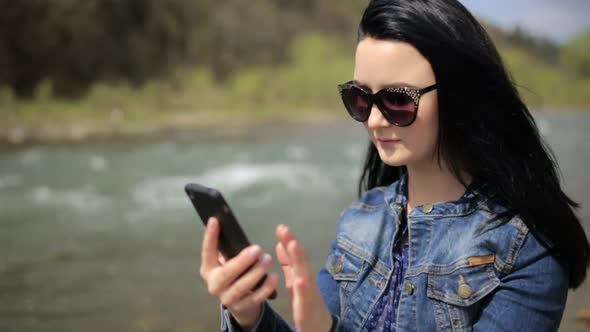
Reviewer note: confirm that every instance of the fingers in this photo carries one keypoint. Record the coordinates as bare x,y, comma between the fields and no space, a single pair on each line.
309,311
282,255
297,257
283,259
258,296
220,278
246,283
284,235
209,247
301,297
220,258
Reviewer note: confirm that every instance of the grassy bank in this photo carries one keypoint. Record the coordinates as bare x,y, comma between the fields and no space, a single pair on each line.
546,86
193,100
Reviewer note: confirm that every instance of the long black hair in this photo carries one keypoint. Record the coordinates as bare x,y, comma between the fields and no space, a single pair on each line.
485,129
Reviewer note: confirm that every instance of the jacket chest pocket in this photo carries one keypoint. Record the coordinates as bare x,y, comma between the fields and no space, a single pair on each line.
457,295
345,268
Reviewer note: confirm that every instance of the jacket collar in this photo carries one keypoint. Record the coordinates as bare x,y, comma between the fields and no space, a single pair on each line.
396,195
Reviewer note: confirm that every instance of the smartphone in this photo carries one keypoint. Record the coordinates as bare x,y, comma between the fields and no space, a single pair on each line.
209,202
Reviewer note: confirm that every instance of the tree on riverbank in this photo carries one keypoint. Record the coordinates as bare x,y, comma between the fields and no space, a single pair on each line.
73,43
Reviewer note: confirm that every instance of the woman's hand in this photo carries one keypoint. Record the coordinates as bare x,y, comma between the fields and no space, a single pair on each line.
307,304
232,282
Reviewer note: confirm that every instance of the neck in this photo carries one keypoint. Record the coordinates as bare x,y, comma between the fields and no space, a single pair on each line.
432,184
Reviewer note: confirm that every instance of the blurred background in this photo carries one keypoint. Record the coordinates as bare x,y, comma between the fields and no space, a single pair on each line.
108,107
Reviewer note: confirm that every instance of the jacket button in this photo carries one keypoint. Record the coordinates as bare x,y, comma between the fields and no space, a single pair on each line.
337,267
427,208
409,288
464,290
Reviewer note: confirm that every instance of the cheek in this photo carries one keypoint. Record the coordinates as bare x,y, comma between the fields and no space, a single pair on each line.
426,130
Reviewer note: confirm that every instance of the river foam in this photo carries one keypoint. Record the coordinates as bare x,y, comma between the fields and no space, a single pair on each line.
166,192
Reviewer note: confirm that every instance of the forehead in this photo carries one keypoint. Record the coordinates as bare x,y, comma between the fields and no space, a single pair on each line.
380,63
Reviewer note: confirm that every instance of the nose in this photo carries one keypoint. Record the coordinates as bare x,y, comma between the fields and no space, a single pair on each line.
376,119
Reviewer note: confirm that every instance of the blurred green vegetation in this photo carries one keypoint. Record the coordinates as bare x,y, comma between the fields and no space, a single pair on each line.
133,63
306,82
544,85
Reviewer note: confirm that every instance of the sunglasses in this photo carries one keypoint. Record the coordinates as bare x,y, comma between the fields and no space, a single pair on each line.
399,105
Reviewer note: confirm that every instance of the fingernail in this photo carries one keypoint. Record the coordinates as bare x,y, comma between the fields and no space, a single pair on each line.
265,259
254,251
212,222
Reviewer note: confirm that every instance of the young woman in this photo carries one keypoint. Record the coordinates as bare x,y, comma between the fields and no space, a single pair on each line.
461,224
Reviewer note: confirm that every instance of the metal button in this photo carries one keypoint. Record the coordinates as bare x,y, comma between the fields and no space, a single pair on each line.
338,264
464,290
337,267
409,288
427,208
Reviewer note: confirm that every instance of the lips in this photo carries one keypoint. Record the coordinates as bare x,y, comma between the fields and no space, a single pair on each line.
388,140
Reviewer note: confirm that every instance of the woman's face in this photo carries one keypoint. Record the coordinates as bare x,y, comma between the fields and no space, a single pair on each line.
386,63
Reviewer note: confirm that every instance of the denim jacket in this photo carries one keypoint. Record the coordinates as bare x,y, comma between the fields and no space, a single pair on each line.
467,271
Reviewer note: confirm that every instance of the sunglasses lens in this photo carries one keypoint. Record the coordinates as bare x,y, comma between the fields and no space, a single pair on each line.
356,104
400,107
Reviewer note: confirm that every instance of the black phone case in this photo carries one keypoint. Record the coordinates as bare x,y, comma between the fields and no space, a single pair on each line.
209,202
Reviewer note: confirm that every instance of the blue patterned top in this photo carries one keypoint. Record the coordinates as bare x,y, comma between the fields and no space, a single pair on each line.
383,316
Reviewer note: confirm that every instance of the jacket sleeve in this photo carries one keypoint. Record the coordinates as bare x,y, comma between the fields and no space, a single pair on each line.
269,321
530,298
329,288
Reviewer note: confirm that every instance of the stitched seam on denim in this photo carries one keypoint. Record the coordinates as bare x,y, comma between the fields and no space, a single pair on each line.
431,215
365,207
455,320
429,243
501,266
439,316
442,296
378,283
433,293
354,249
442,269
371,306
382,269
342,301
341,276
346,277
358,252
516,245
518,223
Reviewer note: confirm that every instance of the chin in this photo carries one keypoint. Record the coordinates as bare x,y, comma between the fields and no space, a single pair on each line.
393,159
394,163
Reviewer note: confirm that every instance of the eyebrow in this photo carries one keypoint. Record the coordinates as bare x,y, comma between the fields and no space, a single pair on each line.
385,86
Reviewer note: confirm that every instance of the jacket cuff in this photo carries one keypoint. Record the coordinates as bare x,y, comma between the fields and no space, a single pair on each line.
228,323
269,320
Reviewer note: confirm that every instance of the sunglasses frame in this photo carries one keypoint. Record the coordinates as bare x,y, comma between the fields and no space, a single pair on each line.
375,98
